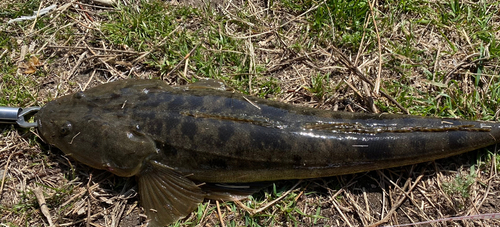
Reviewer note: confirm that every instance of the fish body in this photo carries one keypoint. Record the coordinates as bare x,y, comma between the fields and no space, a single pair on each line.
175,138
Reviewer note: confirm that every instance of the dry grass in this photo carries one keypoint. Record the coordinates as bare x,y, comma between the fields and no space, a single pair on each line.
421,57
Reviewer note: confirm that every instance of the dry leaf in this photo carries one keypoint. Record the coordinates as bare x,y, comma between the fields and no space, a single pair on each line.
31,65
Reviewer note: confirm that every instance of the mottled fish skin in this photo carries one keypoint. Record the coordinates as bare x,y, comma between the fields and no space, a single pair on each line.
203,134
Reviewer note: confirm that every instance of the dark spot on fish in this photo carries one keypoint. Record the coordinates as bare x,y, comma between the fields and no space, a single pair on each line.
268,140
225,133
140,114
275,112
87,117
154,125
215,104
161,97
115,95
194,102
176,103
155,100
378,149
121,115
457,139
239,151
269,164
172,123
297,160
95,144
236,104
189,129
218,163
168,150
419,143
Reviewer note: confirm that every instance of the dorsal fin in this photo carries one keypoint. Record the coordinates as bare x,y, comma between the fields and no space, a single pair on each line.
208,84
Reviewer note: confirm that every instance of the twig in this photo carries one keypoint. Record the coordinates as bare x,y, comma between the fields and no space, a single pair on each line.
3,53
204,214
464,62
436,63
364,215
255,211
99,7
37,15
144,54
376,87
117,213
253,104
182,61
353,88
341,213
5,174
398,203
251,69
71,142
361,44
219,214
84,11
111,69
87,223
461,218
78,63
186,66
287,62
88,82
61,9
281,25
99,49
43,206
488,188
80,221
304,58
77,196
360,74
82,24
369,98
367,206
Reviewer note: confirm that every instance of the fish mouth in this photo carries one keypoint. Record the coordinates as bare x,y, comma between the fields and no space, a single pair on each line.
40,127
124,172
94,163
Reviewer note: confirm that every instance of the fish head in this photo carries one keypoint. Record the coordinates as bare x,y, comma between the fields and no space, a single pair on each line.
94,134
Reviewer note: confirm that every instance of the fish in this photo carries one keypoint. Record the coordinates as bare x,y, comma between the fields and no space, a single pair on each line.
188,143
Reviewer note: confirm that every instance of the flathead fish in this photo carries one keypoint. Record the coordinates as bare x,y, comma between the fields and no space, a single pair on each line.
177,140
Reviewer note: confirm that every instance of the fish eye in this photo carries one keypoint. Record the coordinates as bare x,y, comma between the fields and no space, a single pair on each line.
79,95
65,128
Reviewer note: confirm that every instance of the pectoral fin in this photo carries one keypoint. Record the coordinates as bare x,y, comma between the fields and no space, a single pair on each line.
166,195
